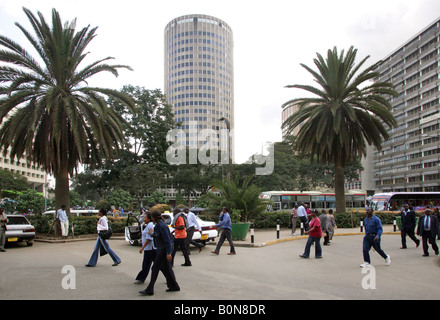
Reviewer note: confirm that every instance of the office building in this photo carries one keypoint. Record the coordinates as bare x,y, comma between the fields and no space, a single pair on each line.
36,177
199,78
409,160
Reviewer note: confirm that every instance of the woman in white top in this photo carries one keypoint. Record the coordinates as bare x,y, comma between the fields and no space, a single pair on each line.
148,249
102,225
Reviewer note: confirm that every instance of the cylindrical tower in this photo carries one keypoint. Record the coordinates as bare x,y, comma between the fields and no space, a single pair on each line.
199,75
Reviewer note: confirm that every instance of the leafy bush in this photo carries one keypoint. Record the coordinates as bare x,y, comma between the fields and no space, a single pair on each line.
161,208
41,223
82,225
343,220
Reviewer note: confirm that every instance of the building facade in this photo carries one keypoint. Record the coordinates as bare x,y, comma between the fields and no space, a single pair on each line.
35,176
199,78
410,159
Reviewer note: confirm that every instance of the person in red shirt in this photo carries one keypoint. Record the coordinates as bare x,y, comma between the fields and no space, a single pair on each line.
315,234
180,236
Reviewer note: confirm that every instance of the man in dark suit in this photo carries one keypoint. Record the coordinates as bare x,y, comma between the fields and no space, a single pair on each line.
428,228
408,219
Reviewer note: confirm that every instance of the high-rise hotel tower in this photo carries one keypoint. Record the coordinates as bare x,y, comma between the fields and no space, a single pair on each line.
410,159
199,76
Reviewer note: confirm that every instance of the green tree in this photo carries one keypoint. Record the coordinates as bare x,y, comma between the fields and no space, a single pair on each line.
347,112
12,181
48,111
120,199
156,197
148,127
30,199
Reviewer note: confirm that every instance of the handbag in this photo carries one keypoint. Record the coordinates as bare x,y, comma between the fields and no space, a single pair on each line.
106,234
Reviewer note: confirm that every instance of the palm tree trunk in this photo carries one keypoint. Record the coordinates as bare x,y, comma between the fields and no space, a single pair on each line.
62,195
339,186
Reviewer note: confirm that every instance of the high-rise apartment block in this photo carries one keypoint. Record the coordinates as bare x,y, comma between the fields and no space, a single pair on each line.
410,159
199,77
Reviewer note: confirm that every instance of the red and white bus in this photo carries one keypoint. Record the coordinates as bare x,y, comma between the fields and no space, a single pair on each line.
354,199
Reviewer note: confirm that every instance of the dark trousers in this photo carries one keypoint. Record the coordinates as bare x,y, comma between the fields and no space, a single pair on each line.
370,242
161,264
427,237
326,238
181,243
226,234
410,233
149,256
305,222
188,240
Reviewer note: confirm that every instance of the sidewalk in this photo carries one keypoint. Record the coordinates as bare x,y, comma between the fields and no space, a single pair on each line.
265,237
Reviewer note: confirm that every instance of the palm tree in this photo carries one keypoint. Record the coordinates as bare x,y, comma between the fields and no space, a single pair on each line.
347,112
241,197
47,111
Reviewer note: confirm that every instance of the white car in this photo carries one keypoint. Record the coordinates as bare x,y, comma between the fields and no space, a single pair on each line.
209,232
18,228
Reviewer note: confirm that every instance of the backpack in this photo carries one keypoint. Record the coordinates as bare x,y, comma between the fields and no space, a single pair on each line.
185,219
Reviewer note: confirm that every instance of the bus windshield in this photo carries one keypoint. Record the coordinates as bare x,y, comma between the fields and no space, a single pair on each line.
378,205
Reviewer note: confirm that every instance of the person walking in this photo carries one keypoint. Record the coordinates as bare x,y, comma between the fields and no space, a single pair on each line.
225,223
315,234
102,243
323,220
180,224
148,249
331,225
428,228
162,262
302,215
192,224
64,221
3,221
408,222
373,232
294,218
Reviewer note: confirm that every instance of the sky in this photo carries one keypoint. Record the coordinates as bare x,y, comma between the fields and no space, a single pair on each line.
271,39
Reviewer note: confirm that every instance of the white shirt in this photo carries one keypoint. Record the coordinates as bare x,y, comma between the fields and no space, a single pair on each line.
62,215
102,223
302,211
147,233
192,221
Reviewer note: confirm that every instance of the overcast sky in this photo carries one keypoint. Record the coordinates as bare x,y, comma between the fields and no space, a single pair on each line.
271,39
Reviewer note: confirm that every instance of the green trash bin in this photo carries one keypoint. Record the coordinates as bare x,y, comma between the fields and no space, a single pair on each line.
240,230
399,222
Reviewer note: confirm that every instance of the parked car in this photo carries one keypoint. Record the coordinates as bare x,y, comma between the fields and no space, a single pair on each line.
18,229
133,231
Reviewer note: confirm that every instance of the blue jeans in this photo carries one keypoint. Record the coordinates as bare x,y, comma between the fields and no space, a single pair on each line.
318,249
370,242
101,242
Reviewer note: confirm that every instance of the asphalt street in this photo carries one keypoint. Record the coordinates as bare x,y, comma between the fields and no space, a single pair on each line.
56,271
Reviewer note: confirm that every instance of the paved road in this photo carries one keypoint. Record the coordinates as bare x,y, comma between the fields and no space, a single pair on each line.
273,272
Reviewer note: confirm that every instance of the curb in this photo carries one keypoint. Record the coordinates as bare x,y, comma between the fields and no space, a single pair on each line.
272,242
